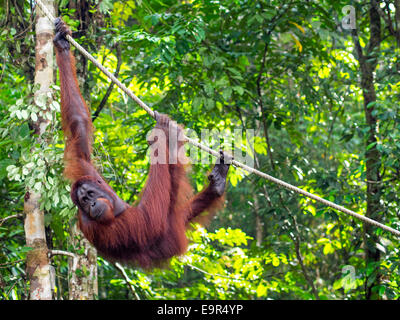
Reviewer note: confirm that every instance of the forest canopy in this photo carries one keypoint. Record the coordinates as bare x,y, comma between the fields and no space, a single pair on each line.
308,91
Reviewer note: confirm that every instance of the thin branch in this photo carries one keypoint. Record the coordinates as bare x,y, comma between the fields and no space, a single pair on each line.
396,16
274,22
75,258
358,48
261,104
19,215
12,287
332,125
296,240
386,18
111,86
6,264
127,279
53,253
4,66
22,20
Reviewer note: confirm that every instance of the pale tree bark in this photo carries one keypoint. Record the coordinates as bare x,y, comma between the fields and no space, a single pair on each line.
82,283
38,268
259,223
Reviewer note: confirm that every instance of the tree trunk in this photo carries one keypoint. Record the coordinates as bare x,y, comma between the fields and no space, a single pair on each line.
397,21
82,282
368,65
37,261
373,158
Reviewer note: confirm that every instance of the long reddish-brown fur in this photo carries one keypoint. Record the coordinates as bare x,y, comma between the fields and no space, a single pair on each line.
146,234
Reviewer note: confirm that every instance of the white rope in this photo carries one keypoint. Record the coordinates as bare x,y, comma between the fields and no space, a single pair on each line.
213,152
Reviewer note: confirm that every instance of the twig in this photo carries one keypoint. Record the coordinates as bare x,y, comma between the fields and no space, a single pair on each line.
53,253
4,265
296,240
358,48
111,86
127,279
12,287
74,257
19,215
387,19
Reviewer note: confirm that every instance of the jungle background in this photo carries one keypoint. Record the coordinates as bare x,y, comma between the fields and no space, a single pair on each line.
319,83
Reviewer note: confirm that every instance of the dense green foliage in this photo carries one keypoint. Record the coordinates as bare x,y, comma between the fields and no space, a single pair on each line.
288,70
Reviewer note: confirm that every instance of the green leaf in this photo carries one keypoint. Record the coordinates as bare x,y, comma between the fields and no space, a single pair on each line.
328,248
24,114
3,167
105,6
197,101
261,290
226,93
239,90
338,284
275,261
64,199
209,103
38,186
370,146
